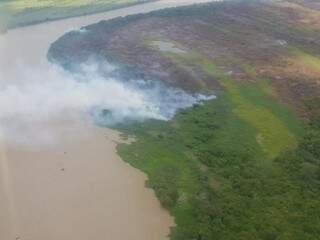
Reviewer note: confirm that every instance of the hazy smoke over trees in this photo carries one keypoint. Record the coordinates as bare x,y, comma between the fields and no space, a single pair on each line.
47,95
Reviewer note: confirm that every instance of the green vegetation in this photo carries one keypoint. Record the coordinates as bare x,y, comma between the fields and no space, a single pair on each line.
306,60
273,135
242,166
210,166
207,168
26,12
252,106
238,167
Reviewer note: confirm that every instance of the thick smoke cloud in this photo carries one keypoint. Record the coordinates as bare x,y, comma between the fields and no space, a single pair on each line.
43,96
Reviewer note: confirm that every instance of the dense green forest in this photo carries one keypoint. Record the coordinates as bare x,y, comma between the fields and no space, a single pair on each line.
207,168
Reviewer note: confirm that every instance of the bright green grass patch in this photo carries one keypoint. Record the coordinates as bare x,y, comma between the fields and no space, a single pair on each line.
307,59
255,103
273,134
249,71
264,96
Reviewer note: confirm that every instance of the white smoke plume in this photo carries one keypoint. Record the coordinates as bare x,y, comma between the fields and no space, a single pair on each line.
43,96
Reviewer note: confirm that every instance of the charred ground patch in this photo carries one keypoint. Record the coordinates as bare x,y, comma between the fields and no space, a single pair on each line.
235,36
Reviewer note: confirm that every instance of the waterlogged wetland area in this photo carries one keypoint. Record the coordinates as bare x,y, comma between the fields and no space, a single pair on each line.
244,164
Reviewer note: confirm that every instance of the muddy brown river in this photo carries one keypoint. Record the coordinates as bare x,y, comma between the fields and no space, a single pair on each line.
71,185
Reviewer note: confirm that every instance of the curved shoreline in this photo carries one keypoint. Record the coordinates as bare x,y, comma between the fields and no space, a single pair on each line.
59,189
119,6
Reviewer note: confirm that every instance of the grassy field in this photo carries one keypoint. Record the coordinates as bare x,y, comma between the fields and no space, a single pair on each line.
253,103
253,106
26,12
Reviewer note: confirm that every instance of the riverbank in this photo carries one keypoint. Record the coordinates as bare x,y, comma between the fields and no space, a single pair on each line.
61,177
78,188
17,14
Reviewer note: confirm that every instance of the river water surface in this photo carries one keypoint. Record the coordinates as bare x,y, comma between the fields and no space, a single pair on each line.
71,185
